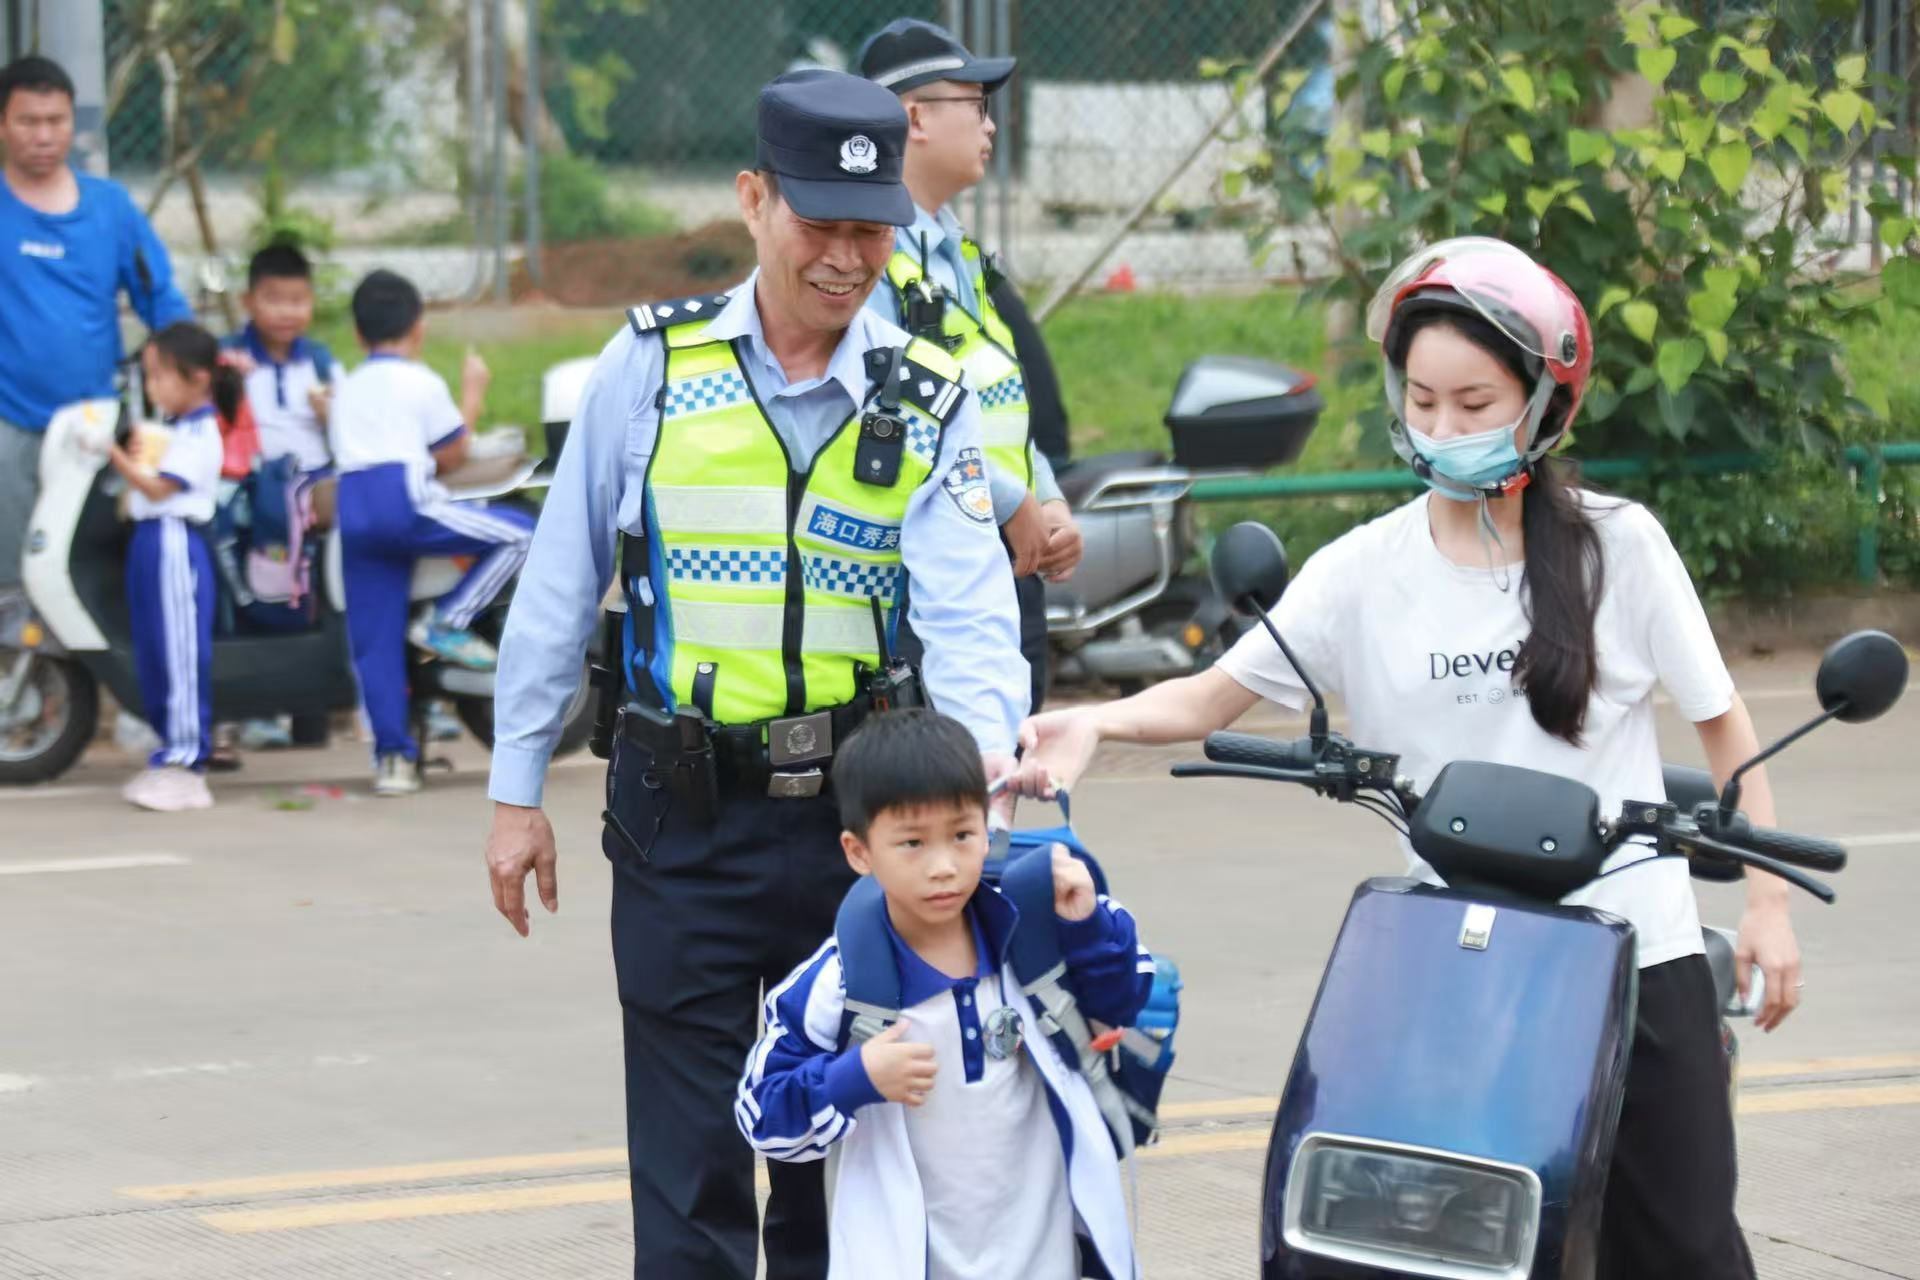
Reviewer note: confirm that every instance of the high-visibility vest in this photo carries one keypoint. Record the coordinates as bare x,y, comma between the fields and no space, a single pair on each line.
983,346
761,577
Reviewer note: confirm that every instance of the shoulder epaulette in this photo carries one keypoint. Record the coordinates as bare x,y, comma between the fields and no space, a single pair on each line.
662,315
929,378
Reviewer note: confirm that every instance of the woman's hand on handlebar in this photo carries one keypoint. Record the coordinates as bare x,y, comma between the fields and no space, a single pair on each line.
1056,748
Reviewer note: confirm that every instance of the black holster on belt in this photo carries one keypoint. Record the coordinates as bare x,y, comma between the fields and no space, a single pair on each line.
681,753
603,677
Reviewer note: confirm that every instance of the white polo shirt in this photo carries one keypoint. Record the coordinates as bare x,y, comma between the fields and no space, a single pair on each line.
392,410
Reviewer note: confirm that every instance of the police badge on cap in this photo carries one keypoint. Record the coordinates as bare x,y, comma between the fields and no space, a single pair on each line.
838,144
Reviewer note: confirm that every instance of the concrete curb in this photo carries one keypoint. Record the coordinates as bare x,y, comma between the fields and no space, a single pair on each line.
1812,622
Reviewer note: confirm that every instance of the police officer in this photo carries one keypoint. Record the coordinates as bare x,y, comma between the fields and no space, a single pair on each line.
941,287
764,471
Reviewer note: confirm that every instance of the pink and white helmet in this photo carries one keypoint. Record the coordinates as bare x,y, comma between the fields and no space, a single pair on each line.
1522,299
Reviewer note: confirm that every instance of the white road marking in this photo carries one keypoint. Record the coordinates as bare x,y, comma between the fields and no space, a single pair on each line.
16,1084
109,862
1883,838
56,793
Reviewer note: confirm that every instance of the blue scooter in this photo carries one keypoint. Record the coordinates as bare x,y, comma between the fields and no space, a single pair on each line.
1451,1108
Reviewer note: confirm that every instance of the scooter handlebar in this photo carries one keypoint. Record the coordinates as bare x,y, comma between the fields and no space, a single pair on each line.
1264,753
1797,850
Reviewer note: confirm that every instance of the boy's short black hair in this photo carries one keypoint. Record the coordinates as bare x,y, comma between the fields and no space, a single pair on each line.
905,759
385,307
278,262
33,74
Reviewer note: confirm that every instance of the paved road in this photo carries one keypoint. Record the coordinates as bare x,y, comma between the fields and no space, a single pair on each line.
289,1037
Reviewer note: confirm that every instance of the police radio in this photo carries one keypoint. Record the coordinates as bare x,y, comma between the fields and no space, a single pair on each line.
896,685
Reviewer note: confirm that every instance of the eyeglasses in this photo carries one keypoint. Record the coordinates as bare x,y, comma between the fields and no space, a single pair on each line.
979,103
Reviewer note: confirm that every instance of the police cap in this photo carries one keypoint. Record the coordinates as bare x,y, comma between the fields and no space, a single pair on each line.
838,144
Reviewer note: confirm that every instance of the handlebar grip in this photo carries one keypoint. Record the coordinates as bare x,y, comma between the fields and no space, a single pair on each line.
1265,753
1796,850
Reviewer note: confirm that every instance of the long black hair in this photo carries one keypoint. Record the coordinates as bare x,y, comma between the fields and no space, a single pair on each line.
190,349
1564,573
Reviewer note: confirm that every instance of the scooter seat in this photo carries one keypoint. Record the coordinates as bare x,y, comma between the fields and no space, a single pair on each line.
1083,475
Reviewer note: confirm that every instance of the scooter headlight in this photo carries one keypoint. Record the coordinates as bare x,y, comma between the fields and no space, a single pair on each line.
1418,1211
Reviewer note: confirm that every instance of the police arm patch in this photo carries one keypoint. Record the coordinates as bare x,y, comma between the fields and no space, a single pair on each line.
966,484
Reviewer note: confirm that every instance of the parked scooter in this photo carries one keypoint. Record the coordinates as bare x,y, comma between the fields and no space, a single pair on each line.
72,633
1140,608
1451,1107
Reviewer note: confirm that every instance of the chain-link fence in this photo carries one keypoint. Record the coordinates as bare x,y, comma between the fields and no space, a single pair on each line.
393,132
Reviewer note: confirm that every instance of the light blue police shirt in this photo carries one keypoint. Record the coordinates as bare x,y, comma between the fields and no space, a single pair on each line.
948,269
961,603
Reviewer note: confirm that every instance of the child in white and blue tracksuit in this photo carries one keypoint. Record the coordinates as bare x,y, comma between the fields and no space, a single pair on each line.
169,571
393,427
967,1146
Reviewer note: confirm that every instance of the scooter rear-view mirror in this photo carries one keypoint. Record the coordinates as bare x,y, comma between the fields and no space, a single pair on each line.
1861,676
1249,568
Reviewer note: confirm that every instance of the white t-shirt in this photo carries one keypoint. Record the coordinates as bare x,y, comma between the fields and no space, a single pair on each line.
991,1168
1421,650
192,458
391,410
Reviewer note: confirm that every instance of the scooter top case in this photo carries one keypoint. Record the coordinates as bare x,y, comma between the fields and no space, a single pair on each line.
1451,1108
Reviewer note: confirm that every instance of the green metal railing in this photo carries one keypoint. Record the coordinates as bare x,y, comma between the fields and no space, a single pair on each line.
1867,462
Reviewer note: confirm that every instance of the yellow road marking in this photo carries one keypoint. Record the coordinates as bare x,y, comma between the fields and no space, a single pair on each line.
1218,1107
1774,1101
605,1191
340,1179
241,1222
1822,1066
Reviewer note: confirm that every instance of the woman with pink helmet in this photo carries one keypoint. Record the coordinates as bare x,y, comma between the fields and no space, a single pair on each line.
1509,615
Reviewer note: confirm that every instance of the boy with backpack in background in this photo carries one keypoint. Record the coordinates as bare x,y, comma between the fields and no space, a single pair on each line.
970,1145
289,376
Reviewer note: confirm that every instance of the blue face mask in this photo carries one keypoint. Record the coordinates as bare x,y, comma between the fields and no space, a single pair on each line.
1483,458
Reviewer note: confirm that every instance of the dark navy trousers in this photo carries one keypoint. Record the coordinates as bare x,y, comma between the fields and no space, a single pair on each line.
707,920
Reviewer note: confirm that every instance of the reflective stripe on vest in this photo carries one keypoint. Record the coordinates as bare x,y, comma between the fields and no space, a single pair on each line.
983,346
732,518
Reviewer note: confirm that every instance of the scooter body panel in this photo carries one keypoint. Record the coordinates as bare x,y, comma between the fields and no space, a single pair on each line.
1513,1054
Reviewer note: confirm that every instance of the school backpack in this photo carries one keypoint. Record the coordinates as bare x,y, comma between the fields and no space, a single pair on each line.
1125,1067
279,559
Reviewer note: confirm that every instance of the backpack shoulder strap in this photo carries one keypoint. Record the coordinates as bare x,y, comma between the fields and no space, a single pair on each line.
866,963
322,361
1027,882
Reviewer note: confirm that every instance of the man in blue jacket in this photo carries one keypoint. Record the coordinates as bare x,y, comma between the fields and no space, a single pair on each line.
69,244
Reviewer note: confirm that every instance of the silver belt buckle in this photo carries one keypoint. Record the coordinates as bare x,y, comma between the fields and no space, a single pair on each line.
800,740
801,785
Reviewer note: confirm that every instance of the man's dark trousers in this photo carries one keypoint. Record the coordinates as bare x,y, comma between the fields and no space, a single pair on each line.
709,917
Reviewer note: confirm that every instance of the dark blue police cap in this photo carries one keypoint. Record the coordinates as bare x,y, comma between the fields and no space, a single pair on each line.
907,53
838,144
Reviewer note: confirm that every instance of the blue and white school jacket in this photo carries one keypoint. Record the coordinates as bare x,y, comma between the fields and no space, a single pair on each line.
801,1097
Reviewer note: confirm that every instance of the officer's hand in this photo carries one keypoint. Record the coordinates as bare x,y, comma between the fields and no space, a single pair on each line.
1026,535
1064,543
521,840
1073,896
901,1072
1056,748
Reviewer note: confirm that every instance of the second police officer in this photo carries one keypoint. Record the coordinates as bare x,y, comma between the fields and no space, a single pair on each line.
764,471
941,287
